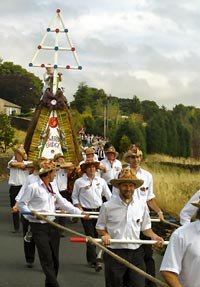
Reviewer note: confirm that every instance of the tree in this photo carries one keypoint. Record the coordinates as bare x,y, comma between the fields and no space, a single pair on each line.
125,143
149,109
6,132
19,86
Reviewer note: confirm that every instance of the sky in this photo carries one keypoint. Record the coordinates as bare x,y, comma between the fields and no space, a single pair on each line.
147,48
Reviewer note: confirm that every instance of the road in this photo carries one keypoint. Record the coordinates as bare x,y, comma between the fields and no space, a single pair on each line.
13,271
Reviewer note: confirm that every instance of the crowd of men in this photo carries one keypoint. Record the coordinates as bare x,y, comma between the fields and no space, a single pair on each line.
121,191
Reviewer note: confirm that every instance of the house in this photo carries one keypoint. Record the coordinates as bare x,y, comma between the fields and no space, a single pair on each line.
9,108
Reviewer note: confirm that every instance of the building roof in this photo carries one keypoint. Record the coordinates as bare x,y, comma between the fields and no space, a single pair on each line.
9,104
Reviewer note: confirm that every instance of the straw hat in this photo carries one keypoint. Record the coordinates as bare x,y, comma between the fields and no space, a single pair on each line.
20,149
127,176
89,150
88,163
196,203
57,156
130,153
46,166
111,149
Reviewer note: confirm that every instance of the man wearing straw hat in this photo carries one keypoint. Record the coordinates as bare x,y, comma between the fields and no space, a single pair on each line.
87,195
112,165
145,193
29,244
124,217
43,196
18,167
62,183
180,264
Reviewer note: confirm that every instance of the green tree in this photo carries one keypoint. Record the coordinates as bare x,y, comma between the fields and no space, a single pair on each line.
19,86
149,109
125,143
6,132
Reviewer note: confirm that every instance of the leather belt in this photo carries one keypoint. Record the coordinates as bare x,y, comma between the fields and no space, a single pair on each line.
91,209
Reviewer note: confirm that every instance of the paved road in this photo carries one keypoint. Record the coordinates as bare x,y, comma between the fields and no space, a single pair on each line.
13,271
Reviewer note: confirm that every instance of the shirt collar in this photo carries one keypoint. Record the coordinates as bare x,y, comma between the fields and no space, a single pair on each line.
123,203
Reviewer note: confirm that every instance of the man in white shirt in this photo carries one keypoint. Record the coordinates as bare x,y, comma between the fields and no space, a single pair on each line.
43,196
19,170
87,195
145,193
124,217
189,210
180,264
62,183
112,165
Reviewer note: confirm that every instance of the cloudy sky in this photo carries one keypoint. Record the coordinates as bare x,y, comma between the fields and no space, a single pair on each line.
147,48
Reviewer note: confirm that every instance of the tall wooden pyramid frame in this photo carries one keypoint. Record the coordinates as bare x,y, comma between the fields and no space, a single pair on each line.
51,130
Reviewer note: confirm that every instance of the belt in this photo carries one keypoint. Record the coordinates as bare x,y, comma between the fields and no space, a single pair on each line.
91,209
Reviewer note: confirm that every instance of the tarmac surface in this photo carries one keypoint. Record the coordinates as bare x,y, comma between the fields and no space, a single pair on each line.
73,269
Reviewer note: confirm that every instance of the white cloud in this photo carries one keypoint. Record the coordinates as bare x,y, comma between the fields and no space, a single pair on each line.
144,48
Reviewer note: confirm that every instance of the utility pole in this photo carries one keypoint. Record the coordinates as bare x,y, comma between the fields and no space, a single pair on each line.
105,118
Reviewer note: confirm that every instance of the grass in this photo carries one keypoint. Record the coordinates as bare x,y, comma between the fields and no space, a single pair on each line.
173,186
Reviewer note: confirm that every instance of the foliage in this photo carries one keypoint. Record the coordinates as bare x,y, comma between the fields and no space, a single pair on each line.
175,132
19,86
6,132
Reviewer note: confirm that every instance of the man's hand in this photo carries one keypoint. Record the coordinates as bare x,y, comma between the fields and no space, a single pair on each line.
87,215
160,240
106,239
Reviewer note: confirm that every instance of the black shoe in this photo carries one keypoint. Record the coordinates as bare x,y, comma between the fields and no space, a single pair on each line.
98,266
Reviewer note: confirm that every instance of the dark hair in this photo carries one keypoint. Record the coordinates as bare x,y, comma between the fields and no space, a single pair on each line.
44,174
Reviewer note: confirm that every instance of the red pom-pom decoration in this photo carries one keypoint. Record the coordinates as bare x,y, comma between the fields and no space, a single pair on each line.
68,67
58,10
73,49
57,30
39,47
43,65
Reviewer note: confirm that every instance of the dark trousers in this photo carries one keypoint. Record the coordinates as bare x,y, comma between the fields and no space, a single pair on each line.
13,192
47,240
149,261
119,275
90,230
29,247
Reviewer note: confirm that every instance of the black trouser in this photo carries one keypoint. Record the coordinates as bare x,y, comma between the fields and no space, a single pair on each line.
13,192
149,261
118,274
90,230
29,247
47,240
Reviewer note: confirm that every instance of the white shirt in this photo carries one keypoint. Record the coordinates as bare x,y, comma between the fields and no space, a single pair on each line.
38,198
61,179
112,171
88,193
182,255
17,175
31,178
189,210
145,192
123,221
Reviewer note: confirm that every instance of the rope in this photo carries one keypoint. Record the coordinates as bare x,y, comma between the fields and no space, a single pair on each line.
92,240
170,223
